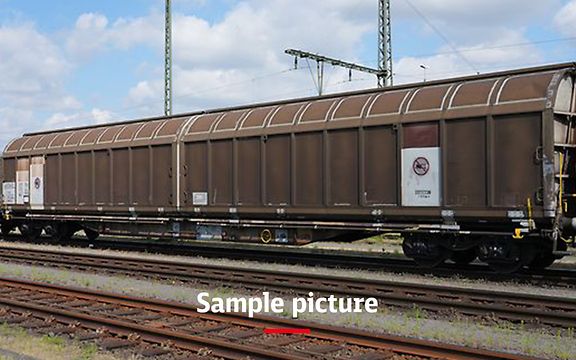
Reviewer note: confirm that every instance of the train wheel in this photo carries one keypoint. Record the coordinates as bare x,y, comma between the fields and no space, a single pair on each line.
431,261
504,255
91,234
504,266
64,232
463,257
6,230
30,231
425,252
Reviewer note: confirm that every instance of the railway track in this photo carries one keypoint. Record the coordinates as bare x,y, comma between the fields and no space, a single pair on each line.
545,310
160,326
321,257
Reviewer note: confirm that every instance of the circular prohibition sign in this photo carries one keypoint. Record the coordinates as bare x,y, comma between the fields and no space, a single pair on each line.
421,166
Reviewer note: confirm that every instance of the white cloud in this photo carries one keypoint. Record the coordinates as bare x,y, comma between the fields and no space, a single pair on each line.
481,57
566,18
146,96
59,120
33,71
91,21
31,65
489,12
13,122
223,63
101,116
471,18
256,33
88,36
215,61
81,118
94,33
252,32
239,57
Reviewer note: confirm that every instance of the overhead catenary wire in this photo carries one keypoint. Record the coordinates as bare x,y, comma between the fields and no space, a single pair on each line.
481,49
455,50
117,113
312,75
321,60
503,46
126,110
487,68
442,36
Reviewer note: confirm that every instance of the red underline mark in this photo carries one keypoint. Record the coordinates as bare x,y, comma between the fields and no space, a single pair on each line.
286,331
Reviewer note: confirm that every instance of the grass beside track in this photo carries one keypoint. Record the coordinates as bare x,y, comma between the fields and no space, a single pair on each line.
415,322
18,342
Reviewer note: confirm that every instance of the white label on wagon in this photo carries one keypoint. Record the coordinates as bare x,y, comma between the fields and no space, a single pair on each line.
421,176
199,198
23,187
9,193
37,183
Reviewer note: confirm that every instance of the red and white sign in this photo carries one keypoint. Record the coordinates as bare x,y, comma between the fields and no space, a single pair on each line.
421,166
421,176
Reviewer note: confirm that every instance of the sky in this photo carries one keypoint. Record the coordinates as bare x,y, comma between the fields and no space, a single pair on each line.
72,63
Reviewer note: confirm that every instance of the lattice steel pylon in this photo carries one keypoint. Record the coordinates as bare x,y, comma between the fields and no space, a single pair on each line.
168,61
384,44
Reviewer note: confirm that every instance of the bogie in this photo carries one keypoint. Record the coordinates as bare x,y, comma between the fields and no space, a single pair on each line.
427,252
503,254
463,257
30,230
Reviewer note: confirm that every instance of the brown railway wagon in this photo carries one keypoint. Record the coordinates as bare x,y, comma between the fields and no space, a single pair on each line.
463,166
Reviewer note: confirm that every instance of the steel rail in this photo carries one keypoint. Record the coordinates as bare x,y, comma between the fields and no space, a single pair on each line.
548,310
325,257
152,332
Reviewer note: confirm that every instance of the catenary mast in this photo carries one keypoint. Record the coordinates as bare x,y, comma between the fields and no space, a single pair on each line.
168,61
385,44
383,73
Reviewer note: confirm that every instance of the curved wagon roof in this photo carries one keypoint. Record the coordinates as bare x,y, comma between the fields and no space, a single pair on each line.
526,90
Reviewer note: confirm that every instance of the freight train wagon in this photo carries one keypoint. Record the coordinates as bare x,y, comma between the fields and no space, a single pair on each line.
480,165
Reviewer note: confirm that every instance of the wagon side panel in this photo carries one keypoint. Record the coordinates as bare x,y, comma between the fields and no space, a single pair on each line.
248,168
380,166
517,139
196,174
308,169
343,167
278,170
466,163
162,191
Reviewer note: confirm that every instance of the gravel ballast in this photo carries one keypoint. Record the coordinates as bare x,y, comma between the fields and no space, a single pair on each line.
541,342
508,286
